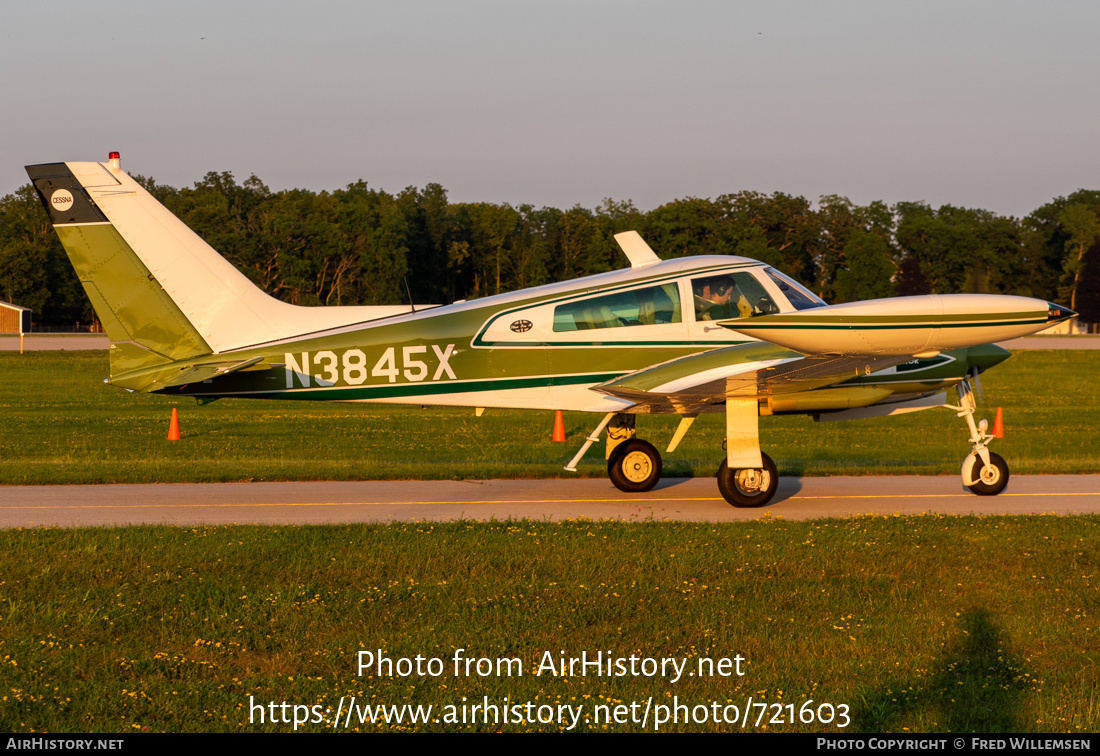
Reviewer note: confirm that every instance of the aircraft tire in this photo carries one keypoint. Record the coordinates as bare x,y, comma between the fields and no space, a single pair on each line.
635,466
988,481
732,484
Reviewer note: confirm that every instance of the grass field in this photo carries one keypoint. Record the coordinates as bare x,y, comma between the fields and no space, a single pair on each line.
61,424
949,624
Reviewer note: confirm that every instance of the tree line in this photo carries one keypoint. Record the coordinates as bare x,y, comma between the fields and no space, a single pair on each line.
360,245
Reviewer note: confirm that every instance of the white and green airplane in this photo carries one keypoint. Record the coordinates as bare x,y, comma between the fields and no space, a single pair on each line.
684,336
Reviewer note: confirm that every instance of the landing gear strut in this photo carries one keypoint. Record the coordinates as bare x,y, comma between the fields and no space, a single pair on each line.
747,476
983,472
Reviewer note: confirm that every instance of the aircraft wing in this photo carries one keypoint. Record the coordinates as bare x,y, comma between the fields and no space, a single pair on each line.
693,384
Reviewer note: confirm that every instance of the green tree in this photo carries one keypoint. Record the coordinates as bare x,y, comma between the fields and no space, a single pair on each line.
34,270
374,234
869,268
1047,249
959,249
1083,227
428,238
839,219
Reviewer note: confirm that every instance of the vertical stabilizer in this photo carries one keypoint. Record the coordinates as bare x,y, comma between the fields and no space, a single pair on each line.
130,303
155,282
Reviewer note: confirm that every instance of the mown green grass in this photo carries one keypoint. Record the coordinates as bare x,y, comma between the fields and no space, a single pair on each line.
925,624
61,424
915,623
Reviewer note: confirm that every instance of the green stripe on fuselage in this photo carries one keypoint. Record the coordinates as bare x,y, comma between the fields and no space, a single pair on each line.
872,323
390,391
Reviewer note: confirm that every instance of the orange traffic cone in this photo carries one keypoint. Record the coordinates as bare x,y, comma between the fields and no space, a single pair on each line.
559,427
174,427
999,425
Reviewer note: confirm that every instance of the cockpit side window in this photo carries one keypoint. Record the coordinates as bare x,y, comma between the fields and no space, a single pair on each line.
798,295
652,306
730,295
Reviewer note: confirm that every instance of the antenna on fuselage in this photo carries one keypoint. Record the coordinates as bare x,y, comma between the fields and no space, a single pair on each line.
636,250
409,292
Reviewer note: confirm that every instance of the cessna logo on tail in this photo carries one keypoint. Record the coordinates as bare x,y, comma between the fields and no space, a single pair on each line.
62,199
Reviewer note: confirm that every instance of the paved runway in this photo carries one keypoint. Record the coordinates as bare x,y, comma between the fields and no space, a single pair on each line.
388,501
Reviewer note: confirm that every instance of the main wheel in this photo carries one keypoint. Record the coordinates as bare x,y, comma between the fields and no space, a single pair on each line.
991,479
634,466
749,487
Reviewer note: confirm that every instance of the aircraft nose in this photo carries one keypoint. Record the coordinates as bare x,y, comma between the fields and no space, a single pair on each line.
986,356
1058,313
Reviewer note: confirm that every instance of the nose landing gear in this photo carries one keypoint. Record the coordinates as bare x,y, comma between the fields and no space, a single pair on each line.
983,472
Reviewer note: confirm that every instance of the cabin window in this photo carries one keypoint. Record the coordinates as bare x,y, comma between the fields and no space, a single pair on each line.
730,295
798,295
652,306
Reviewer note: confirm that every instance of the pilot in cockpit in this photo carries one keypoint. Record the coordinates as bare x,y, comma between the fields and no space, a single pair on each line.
719,298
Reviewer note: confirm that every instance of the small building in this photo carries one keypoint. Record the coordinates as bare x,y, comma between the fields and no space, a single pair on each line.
14,319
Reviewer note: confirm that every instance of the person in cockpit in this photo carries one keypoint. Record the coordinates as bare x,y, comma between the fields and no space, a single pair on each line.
719,298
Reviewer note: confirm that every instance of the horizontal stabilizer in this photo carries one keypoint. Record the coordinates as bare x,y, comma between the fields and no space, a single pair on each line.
205,372
183,373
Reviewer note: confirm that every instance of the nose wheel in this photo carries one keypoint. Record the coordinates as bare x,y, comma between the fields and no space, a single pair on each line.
748,487
987,479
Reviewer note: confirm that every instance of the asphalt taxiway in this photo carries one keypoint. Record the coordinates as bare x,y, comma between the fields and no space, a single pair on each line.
684,499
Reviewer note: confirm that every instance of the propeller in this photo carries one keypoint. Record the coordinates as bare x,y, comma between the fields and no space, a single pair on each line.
977,385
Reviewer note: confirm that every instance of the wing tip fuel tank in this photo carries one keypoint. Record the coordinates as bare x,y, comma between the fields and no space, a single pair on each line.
905,325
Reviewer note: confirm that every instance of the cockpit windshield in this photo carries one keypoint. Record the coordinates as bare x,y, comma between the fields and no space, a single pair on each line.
798,295
730,295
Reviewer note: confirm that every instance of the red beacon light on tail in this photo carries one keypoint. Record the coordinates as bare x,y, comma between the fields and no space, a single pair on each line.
113,159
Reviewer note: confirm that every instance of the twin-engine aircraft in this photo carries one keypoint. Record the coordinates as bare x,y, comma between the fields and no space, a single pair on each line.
685,336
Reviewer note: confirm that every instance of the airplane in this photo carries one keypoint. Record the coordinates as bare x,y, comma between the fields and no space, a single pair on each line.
684,336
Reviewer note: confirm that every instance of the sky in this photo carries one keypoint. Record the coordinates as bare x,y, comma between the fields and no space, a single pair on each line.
992,105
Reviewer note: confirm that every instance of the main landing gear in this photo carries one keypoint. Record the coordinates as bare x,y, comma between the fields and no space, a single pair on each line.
634,466
746,477
983,472
749,487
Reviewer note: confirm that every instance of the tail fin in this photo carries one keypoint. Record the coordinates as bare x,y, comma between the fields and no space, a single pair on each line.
130,303
157,287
